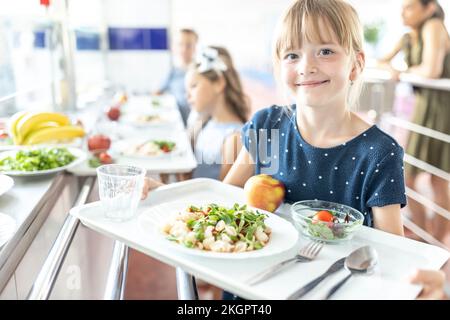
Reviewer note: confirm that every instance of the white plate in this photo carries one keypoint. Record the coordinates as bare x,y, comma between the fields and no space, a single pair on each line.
283,237
78,153
134,120
7,147
7,228
121,147
145,103
6,183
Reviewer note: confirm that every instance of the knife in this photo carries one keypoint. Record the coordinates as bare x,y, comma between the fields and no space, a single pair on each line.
338,265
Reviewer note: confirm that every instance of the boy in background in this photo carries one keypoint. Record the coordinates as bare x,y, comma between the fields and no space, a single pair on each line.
183,47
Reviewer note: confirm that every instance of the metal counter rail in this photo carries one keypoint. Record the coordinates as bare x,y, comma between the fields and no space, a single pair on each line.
45,281
117,276
46,278
13,251
186,286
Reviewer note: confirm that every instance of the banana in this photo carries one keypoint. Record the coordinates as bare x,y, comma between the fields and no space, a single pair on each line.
55,133
47,124
15,118
28,123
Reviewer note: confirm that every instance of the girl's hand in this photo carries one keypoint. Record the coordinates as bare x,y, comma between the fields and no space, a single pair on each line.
395,74
149,185
433,284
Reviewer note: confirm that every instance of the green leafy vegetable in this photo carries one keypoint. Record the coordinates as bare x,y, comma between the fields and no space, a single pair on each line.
94,162
164,145
37,159
209,224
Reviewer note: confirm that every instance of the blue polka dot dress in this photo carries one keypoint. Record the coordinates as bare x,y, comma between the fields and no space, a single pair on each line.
365,172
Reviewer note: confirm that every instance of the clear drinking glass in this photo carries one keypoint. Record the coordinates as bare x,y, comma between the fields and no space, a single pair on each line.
120,189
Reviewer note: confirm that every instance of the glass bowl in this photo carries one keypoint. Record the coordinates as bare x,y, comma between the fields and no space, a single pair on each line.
339,223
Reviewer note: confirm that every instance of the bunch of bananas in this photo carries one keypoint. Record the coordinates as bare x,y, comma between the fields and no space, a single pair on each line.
28,128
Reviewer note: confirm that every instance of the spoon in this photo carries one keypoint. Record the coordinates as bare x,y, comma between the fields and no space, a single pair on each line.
360,261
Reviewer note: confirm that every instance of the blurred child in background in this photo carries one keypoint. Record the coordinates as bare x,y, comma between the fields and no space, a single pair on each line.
184,47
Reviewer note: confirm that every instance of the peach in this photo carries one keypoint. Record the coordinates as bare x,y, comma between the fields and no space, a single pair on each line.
264,192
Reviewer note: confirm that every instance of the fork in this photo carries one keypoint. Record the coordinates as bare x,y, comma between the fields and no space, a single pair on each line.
306,254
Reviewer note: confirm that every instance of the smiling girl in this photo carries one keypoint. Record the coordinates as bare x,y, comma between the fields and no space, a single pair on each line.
318,147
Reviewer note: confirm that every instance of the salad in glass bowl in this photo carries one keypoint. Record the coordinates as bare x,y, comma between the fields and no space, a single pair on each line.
326,221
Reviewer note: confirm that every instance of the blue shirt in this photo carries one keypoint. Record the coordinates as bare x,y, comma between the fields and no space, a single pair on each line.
174,84
365,172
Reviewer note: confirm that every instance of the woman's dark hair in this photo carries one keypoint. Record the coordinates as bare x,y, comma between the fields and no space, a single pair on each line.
439,13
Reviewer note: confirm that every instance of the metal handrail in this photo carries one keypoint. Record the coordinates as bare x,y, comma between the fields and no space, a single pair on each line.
422,233
428,203
404,124
46,278
115,284
426,167
437,84
382,75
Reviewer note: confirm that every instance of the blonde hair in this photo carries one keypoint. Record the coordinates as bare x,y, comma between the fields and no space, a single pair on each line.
301,21
234,94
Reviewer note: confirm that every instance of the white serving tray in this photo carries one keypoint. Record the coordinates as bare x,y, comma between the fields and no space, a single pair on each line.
398,256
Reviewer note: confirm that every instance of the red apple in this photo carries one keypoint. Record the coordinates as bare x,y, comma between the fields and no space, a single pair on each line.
113,113
99,143
264,192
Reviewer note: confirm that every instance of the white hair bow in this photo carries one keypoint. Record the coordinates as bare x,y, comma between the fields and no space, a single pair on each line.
209,59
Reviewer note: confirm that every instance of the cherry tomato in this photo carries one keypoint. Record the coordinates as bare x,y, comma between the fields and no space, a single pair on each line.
165,149
105,158
323,215
99,143
113,113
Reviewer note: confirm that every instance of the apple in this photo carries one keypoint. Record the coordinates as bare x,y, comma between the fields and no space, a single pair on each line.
113,113
264,192
99,143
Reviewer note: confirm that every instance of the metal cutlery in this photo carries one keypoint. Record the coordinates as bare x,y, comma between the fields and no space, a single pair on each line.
306,254
336,266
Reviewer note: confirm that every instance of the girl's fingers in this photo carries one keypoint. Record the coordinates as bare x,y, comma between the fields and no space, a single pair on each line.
433,283
429,277
149,185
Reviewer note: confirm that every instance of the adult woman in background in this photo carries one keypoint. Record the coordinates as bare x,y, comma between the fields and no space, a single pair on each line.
427,53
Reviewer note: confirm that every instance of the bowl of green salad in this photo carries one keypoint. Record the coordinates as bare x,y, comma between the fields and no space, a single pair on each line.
326,221
39,160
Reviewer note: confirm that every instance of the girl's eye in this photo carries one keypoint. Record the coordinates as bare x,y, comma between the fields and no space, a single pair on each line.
326,52
290,56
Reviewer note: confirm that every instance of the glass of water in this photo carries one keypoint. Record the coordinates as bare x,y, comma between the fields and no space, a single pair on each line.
120,190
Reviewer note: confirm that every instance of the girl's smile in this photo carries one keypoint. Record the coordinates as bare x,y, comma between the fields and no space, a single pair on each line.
312,84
